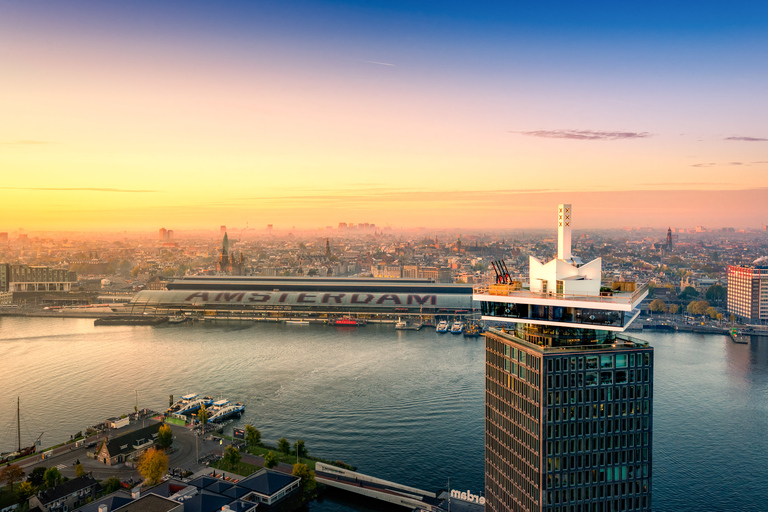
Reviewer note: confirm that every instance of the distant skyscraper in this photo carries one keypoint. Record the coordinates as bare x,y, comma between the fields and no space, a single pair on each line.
748,291
223,229
163,234
568,398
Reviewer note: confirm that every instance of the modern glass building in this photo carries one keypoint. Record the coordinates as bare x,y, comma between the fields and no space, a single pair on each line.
568,396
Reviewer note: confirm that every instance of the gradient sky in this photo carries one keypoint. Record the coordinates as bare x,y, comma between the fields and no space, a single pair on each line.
137,115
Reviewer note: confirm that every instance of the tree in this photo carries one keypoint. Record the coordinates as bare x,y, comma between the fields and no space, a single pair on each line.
79,470
298,448
111,485
711,312
689,293
658,306
716,294
202,415
25,491
165,437
231,456
36,476
674,308
284,446
51,477
308,482
732,318
698,307
252,435
152,466
11,474
270,460
135,271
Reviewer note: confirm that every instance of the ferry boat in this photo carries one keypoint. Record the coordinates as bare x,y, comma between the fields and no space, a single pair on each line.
223,409
457,327
297,322
189,404
405,325
348,321
442,326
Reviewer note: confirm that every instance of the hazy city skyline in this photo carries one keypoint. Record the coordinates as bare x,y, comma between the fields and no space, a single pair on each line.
191,115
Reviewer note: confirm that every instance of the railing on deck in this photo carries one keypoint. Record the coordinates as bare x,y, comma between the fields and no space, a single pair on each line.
515,290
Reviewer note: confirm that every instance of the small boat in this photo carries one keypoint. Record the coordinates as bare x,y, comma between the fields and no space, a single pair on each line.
6,458
189,404
405,325
348,321
457,327
472,330
297,322
442,326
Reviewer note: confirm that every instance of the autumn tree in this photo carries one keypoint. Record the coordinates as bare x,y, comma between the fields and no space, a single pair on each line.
202,415
284,446
79,470
152,466
165,436
270,460
11,474
252,435
308,482
25,491
673,308
658,306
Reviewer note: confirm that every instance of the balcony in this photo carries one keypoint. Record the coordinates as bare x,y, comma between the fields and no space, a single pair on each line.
617,296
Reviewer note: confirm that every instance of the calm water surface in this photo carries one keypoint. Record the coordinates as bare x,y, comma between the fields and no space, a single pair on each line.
401,405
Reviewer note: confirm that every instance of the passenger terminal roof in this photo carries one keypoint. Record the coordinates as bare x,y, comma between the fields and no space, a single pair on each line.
341,284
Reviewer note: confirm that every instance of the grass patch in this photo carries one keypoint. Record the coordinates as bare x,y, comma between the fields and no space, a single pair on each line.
241,468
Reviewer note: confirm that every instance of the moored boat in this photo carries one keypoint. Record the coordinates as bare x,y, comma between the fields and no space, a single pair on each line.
223,409
442,326
348,321
457,327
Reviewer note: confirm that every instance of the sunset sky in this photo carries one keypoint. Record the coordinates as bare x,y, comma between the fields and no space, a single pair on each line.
137,115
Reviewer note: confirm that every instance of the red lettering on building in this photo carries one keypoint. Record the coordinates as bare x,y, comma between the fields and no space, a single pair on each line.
259,297
228,297
202,295
368,298
302,299
389,296
422,300
336,297
282,297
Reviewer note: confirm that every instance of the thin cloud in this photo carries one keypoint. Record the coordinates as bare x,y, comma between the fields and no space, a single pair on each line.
23,143
585,134
78,189
737,163
747,139
708,164
379,63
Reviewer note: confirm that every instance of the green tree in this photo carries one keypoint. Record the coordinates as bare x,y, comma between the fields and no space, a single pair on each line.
152,466
252,435
111,485
231,457
284,446
308,482
36,476
270,460
716,294
298,448
52,477
165,437
79,470
202,415
658,306
11,474
688,293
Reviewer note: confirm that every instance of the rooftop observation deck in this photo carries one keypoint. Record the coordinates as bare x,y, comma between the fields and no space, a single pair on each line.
623,296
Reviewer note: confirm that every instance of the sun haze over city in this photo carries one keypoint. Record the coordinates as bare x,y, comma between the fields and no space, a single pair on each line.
128,116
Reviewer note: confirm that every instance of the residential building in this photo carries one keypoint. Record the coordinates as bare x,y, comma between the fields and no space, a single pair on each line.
748,292
568,396
66,496
26,278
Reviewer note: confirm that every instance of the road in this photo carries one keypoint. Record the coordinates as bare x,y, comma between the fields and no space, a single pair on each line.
65,458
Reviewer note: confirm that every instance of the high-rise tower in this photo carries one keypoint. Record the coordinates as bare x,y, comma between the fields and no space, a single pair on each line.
568,396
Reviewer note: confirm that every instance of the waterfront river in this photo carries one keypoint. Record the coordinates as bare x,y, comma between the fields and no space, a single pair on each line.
401,405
